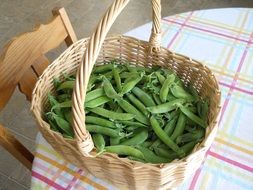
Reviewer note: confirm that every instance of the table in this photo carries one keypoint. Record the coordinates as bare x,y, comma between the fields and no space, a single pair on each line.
222,39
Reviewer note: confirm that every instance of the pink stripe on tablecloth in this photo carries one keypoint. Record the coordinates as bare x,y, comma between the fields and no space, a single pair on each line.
74,180
195,178
230,161
175,36
224,107
47,181
236,88
50,172
209,31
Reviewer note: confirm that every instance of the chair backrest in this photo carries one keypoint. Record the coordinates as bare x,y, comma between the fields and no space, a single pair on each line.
22,61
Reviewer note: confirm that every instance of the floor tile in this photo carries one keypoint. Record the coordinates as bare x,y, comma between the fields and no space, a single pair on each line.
3,179
21,175
24,123
13,185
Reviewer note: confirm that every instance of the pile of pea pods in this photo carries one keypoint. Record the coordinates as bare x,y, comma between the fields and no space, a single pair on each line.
144,114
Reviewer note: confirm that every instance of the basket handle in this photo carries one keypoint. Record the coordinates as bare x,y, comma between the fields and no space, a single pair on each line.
84,141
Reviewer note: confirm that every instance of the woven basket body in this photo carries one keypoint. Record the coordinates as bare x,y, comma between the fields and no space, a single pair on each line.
122,172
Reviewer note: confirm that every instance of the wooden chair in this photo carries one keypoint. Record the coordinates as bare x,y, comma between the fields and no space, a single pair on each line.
22,61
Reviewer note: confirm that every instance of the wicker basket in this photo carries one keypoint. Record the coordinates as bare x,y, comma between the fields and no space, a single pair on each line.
80,59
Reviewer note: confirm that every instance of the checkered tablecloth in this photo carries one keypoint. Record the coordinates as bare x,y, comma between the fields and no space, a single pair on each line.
223,40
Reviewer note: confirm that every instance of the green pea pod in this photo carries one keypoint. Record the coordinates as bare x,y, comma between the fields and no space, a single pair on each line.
167,153
146,144
56,82
109,90
119,110
157,99
99,142
164,137
133,123
160,77
115,140
193,92
170,97
179,92
117,79
103,68
66,104
168,129
151,157
97,102
68,115
51,122
63,125
165,87
136,159
139,138
112,115
67,85
91,82
188,137
202,108
125,150
129,85
179,129
128,75
94,94
99,121
53,102
103,130
166,107
131,109
64,97
193,117
138,104
143,96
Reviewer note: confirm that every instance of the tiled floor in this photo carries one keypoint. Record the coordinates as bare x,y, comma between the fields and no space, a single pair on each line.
18,16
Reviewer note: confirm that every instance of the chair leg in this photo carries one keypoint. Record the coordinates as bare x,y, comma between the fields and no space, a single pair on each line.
15,148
